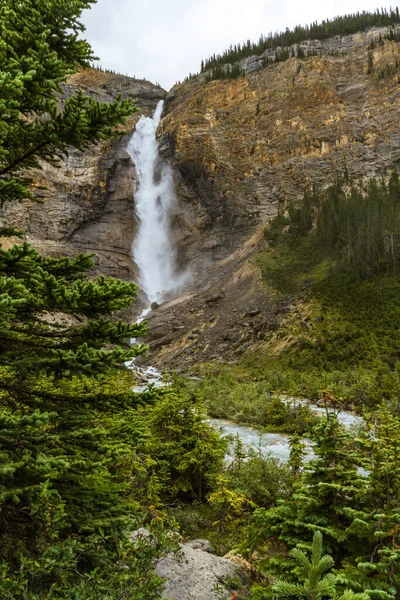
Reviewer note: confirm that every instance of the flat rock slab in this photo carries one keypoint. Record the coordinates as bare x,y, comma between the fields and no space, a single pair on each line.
197,574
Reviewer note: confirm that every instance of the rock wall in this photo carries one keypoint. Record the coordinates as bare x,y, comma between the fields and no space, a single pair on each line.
243,147
87,204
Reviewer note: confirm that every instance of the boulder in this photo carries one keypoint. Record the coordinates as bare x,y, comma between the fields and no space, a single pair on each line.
196,574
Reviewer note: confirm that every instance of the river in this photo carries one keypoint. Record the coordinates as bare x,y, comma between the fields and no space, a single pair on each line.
276,444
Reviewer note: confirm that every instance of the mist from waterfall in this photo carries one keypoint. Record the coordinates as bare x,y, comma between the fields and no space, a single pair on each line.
152,248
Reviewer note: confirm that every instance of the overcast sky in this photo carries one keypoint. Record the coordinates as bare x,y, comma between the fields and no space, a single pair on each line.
165,40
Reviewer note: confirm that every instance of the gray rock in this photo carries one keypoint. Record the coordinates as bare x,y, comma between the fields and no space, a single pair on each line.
215,297
231,335
196,574
253,312
200,544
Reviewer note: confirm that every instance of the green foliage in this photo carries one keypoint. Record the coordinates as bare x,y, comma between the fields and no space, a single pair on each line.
194,520
389,70
230,504
188,452
71,443
224,72
358,512
297,454
75,473
262,479
40,46
250,480
224,396
357,227
336,254
313,581
370,62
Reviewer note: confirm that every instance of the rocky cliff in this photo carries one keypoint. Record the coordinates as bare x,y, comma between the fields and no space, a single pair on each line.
240,148
243,147
87,204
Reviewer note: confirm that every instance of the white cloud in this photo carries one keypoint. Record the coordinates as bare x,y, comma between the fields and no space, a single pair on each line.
164,40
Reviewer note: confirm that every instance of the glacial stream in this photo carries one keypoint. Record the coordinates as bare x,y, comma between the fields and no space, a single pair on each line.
276,444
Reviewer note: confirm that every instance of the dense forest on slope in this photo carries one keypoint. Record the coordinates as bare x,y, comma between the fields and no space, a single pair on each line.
340,250
335,256
224,66
357,226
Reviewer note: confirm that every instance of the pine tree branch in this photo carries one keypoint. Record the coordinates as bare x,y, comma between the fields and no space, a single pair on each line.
23,158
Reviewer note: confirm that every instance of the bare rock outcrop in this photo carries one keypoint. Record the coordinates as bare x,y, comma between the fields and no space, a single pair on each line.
242,148
196,574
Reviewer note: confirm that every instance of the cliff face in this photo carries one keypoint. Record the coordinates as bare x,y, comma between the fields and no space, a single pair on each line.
87,205
240,149
243,147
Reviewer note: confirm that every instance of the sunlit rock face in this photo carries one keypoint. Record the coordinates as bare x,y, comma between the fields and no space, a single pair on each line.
87,204
241,148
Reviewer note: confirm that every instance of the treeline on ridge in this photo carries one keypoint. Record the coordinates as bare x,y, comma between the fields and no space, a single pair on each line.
342,25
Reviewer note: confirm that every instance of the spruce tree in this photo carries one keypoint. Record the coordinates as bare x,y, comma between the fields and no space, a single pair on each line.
297,454
357,511
39,47
314,583
71,440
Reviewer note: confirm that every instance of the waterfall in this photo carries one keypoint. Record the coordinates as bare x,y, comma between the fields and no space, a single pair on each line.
152,249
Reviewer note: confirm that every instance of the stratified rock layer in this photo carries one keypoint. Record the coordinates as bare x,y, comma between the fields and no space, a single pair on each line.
244,147
87,204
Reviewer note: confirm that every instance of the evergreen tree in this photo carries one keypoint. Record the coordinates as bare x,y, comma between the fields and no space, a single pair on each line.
313,584
343,25
71,441
188,451
358,512
297,454
358,227
39,48
377,523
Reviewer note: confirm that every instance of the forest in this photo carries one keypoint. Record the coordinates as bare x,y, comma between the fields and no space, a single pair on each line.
86,462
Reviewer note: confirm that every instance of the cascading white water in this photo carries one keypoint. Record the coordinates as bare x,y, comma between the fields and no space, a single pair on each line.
152,249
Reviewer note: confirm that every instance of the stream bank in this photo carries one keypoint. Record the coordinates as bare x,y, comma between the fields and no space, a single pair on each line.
277,444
